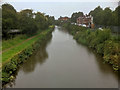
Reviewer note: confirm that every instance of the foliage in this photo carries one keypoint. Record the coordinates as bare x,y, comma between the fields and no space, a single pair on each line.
106,17
25,21
9,19
41,20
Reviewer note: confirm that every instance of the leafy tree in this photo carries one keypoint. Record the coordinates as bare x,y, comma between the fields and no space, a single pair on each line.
117,16
107,17
97,14
51,19
41,20
9,19
75,16
26,22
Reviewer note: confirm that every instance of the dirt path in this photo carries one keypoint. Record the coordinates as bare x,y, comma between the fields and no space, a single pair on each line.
18,44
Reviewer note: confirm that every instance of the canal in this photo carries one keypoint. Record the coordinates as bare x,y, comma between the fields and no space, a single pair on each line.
63,63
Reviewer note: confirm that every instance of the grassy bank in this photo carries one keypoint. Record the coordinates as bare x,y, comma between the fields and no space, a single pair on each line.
12,58
11,42
102,42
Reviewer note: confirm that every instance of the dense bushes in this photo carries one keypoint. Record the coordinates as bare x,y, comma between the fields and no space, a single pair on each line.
103,42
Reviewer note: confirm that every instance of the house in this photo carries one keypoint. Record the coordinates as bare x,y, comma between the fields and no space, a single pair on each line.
63,18
86,20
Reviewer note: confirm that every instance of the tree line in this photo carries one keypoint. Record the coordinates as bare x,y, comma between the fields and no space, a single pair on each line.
27,21
104,17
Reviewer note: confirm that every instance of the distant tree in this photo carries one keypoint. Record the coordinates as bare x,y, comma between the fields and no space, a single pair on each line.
75,16
51,19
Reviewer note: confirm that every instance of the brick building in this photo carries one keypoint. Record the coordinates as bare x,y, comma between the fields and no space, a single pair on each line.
63,18
85,20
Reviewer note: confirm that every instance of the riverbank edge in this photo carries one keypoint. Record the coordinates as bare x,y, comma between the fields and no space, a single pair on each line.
9,69
83,41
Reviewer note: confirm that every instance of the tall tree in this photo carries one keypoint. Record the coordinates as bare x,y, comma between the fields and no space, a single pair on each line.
117,16
9,19
51,19
26,22
97,14
107,17
41,20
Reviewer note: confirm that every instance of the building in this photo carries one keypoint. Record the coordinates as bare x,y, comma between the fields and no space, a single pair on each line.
63,18
86,20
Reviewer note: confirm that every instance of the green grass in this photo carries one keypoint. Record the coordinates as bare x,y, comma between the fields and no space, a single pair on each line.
11,42
10,53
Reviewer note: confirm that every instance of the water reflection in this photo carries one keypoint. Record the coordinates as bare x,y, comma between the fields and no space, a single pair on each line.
38,57
105,68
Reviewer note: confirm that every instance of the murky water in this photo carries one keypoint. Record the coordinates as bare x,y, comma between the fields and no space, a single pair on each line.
63,63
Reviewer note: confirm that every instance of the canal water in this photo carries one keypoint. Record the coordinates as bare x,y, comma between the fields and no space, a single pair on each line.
63,63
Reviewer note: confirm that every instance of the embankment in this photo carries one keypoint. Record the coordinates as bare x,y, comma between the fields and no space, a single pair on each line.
11,60
101,41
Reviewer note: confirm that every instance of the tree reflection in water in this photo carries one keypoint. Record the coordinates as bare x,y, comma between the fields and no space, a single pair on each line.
38,57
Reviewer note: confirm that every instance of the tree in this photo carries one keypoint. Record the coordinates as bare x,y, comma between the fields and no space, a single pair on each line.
116,14
97,14
9,19
51,19
41,20
107,17
75,16
26,22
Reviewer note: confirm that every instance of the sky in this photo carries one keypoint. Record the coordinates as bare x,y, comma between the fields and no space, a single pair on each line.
59,8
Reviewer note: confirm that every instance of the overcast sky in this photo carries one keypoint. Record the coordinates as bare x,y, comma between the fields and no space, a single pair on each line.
59,8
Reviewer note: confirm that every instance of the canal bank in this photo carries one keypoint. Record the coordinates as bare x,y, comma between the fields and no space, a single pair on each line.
63,63
25,50
101,41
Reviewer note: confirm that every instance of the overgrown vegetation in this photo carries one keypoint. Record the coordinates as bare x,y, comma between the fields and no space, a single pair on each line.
101,41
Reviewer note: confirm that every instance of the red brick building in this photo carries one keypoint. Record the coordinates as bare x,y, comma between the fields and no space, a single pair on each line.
63,18
85,20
